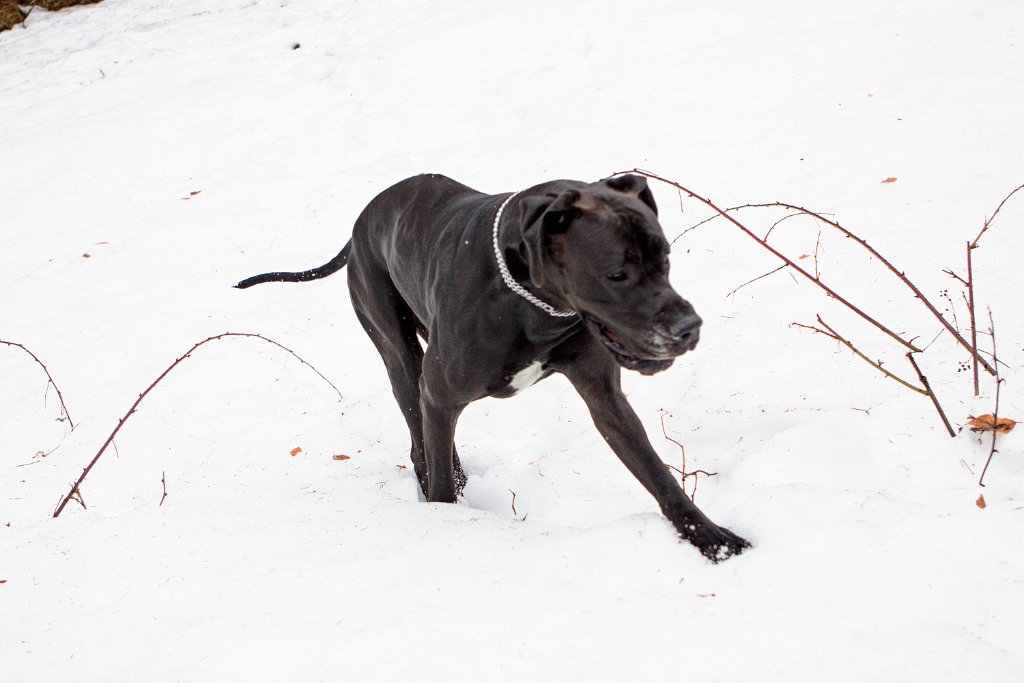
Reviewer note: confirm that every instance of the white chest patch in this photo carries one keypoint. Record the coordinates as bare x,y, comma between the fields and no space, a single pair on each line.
527,377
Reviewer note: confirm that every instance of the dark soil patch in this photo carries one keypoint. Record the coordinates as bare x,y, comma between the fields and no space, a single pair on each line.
11,15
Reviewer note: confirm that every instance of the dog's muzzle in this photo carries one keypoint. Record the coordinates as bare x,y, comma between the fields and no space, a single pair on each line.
664,345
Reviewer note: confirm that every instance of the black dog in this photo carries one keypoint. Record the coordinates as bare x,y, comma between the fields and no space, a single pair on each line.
565,277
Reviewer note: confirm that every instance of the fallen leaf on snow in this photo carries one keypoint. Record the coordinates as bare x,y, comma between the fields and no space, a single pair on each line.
981,501
86,255
989,423
339,456
889,180
296,451
402,467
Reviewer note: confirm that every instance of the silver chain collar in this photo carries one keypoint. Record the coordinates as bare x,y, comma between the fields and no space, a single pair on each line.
507,276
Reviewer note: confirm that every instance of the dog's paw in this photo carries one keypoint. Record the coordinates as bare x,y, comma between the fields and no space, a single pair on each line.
716,543
460,482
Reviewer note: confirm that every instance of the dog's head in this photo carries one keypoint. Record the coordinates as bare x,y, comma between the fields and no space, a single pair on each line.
599,248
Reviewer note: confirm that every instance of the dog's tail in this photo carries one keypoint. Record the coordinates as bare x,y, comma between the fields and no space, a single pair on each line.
332,266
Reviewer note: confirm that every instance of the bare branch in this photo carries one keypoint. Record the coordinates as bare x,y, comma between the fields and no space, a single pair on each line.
49,379
684,475
995,411
974,326
776,223
988,221
931,394
754,280
120,423
953,275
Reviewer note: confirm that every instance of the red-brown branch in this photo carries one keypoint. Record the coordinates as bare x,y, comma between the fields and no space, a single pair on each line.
974,327
995,411
684,475
759,277
120,423
988,221
931,395
49,378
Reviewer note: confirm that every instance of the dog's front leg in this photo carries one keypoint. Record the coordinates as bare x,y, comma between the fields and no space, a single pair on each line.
438,439
597,381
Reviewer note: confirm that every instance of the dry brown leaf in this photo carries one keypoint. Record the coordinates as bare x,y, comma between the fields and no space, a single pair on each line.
989,423
889,180
296,451
3,580
402,467
339,456
86,255
981,501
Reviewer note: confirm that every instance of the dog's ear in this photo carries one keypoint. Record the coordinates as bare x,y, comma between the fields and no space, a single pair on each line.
635,185
545,217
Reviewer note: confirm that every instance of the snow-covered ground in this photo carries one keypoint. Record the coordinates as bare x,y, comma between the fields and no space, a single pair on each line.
154,153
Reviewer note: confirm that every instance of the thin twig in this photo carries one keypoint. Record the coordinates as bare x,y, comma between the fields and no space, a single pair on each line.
120,422
776,223
163,480
931,394
694,226
682,472
514,513
953,275
789,262
771,272
988,221
974,327
817,248
49,379
995,411
877,365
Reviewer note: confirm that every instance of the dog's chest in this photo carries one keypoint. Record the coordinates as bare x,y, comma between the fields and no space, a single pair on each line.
516,382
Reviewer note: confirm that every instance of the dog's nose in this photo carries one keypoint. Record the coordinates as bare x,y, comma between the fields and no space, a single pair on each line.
685,330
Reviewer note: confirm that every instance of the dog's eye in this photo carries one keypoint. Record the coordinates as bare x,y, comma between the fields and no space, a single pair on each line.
618,276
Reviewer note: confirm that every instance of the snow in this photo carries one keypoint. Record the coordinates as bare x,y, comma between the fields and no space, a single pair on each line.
871,559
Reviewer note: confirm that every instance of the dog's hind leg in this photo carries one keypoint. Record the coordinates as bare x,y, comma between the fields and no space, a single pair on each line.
392,326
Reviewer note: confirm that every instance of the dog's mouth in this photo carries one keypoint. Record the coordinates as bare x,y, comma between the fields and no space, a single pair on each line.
625,358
